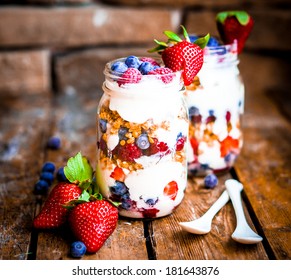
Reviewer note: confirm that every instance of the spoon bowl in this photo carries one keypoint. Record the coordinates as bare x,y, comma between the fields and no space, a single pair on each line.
202,225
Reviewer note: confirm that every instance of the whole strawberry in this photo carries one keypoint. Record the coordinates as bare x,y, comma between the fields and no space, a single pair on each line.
54,211
93,222
234,25
178,54
53,214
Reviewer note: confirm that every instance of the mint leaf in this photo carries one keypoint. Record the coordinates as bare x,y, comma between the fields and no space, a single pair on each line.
78,169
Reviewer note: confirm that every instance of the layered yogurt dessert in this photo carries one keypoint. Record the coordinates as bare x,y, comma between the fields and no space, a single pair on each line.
215,102
142,133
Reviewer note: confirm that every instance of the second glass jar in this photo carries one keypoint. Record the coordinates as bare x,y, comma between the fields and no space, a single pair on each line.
215,102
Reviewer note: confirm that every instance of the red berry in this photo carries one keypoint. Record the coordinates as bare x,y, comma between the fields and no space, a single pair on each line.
129,152
93,222
149,59
130,76
234,25
171,190
117,174
167,75
184,56
157,147
53,214
180,143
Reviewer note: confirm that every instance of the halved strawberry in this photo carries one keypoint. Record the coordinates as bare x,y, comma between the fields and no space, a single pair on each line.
178,54
171,190
234,25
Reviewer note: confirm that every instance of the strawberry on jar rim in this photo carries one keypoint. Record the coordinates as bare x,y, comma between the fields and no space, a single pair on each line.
234,25
182,55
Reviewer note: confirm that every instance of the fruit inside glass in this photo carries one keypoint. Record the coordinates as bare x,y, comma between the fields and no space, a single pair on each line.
142,129
215,102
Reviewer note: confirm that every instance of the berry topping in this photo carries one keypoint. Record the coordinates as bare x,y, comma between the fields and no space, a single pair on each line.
182,54
166,73
151,201
151,60
234,25
78,249
132,62
210,181
143,142
119,67
129,152
180,142
146,67
171,190
130,76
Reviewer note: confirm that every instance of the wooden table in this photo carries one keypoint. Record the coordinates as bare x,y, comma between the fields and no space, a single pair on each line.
264,168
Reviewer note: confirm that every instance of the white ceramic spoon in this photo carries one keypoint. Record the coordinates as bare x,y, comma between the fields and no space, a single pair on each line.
243,233
202,225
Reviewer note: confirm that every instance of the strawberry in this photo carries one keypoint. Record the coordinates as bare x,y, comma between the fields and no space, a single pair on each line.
178,54
93,222
171,190
53,214
117,174
234,25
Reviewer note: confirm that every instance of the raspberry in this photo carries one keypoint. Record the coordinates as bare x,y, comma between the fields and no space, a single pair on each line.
157,147
166,74
130,76
129,152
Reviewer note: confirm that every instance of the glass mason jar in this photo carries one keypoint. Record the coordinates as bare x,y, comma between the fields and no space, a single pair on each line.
215,102
142,131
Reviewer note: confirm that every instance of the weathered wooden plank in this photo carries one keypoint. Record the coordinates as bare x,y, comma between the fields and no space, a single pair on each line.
173,243
264,166
23,126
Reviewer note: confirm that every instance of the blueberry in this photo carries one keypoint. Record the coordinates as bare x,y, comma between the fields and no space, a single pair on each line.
145,67
119,66
193,111
212,42
41,187
121,133
61,177
193,38
126,204
132,62
78,249
47,176
54,143
152,201
143,141
103,125
210,181
119,188
48,167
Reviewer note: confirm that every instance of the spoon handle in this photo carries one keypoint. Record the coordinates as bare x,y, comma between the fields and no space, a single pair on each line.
217,205
234,189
